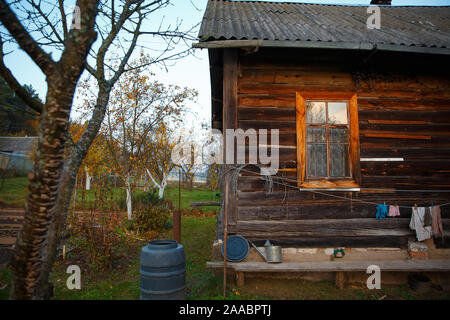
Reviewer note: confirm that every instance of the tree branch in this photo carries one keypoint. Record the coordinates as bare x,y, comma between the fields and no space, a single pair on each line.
127,56
47,20
151,177
63,18
23,38
23,94
115,28
79,42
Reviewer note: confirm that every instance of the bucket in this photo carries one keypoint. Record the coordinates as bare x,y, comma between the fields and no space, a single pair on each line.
273,254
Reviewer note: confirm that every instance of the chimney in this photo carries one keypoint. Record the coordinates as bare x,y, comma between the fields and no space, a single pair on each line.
381,2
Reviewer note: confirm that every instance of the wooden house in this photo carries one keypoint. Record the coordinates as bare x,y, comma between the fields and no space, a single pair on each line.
363,117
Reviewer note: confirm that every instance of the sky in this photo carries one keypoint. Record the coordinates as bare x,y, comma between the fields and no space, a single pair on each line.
191,71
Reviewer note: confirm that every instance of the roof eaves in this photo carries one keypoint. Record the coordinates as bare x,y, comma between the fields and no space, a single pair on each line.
222,44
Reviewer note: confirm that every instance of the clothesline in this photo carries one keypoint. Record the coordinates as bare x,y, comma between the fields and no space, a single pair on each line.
271,181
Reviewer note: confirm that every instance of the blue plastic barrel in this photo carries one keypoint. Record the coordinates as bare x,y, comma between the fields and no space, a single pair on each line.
163,271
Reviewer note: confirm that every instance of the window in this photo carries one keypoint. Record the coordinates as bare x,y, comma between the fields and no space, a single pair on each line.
327,140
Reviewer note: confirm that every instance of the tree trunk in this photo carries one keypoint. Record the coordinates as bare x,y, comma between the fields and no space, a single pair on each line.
162,187
62,78
129,203
43,191
56,231
74,158
88,179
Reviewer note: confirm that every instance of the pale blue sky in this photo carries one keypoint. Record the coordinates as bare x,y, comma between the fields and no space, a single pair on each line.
192,71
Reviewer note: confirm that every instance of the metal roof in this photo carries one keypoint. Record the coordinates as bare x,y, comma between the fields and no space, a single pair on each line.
317,25
18,145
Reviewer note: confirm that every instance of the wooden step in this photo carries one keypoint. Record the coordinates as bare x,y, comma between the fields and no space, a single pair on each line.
13,217
12,209
334,266
10,225
7,241
338,267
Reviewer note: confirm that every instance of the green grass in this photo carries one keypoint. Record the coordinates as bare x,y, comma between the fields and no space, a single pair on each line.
198,234
196,194
171,193
116,285
13,191
5,278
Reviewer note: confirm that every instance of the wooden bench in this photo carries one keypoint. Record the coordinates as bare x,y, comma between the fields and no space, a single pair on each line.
339,267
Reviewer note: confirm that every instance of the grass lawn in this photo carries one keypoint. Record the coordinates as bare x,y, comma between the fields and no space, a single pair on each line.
197,194
13,192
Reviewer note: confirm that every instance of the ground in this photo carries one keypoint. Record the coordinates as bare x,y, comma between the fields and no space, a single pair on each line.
198,234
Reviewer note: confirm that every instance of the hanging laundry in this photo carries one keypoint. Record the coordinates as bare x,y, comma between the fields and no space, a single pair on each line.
382,211
394,211
436,224
417,224
427,220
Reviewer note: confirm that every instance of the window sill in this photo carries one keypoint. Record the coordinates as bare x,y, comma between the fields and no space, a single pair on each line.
327,184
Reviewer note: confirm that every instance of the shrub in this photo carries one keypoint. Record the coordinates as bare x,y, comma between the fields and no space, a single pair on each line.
152,218
146,199
95,236
140,200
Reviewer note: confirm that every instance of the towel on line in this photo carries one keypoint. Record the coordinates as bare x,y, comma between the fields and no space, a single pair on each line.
394,211
417,223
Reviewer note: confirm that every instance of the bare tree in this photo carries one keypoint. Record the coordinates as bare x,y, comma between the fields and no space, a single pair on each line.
119,25
62,77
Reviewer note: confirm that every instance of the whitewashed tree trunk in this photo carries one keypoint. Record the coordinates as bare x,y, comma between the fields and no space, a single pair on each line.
129,204
88,179
161,187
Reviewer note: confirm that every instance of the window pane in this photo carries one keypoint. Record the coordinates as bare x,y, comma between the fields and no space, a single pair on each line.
339,166
315,135
317,160
315,112
337,112
339,135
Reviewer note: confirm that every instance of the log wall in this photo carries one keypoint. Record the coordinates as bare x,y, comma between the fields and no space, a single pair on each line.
404,111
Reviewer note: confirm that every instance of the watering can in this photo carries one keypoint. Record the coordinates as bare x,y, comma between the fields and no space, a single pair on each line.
272,254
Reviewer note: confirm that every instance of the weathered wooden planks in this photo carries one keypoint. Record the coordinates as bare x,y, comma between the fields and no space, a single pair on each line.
333,242
230,73
7,241
403,112
338,267
344,266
